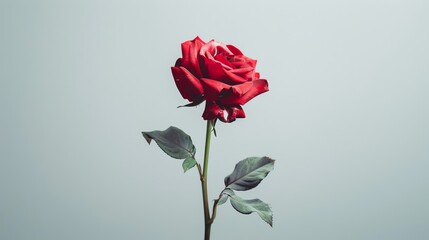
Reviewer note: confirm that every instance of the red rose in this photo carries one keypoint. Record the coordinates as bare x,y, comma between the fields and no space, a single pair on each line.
219,74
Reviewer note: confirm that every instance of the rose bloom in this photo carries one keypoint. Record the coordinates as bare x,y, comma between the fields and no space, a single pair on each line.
219,74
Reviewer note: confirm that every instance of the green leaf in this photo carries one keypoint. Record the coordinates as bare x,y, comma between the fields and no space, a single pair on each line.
188,163
224,196
252,205
248,173
173,141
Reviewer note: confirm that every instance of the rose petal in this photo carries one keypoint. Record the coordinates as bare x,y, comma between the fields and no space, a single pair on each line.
212,48
242,93
223,60
256,76
245,74
189,86
221,72
214,111
234,50
259,86
178,62
233,78
242,71
235,112
213,89
243,62
190,50
215,70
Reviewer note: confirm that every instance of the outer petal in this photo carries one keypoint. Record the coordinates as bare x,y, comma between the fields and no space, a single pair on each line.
189,86
235,112
214,88
214,111
233,95
241,94
190,50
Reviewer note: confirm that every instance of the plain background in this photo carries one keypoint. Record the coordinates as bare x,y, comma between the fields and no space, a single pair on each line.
346,118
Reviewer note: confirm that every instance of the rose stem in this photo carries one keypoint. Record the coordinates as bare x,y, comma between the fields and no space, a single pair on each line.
207,220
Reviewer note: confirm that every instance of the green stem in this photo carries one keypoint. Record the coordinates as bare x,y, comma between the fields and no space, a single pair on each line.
207,221
214,210
207,147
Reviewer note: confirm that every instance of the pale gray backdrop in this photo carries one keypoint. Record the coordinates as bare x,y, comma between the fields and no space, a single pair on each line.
346,119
